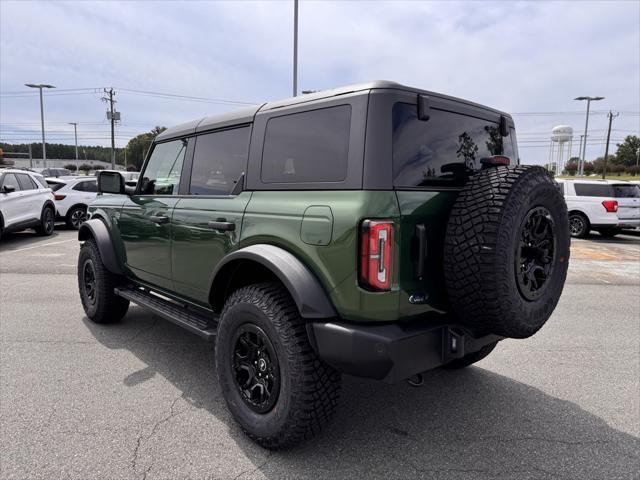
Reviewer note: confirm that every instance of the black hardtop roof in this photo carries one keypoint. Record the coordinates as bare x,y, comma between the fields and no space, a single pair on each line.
245,115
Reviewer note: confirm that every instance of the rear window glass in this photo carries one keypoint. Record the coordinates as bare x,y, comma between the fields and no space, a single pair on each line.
87,186
307,147
444,149
626,191
218,161
593,189
56,186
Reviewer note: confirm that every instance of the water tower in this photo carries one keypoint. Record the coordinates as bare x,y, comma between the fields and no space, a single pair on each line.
560,151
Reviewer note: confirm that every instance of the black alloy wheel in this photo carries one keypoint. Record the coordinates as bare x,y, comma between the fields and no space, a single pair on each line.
255,368
89,281
536,252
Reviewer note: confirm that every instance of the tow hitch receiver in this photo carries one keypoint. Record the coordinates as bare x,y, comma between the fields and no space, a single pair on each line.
453,343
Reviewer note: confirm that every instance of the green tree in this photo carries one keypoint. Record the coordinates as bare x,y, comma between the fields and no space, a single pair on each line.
138,146
627,153
571,167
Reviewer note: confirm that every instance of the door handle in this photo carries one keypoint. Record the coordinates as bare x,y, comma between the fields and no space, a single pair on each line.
159,219
421,253
222,225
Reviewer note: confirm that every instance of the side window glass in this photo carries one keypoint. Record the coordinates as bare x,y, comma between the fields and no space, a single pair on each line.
310,146
10,179
25,182
218,161
593,189
162,174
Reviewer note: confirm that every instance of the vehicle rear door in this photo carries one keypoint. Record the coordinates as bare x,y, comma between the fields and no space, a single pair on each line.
208,218
432,159
145,219
13,209
31,197
628,198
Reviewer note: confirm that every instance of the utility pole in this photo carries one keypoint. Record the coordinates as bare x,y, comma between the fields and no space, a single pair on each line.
295,48
112,117
75,135
40,86
586,127
606,150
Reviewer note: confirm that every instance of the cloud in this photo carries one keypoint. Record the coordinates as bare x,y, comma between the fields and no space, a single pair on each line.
519,57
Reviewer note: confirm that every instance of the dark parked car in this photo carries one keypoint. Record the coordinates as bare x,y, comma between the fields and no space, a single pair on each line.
376,230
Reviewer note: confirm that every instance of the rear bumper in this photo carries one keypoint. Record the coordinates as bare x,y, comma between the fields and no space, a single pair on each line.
392,352
620,223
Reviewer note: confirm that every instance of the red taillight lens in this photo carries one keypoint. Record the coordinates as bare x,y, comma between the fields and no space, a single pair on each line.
610,206
376,250
59,197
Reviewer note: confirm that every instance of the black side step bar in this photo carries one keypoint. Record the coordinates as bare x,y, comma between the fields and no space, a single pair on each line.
174,312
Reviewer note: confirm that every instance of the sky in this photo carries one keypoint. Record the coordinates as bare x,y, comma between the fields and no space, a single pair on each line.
527,58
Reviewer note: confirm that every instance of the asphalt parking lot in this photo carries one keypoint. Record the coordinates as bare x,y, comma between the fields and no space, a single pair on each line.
139,399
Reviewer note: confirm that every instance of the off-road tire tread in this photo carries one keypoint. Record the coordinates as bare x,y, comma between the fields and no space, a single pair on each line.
317,385
110,307
483,217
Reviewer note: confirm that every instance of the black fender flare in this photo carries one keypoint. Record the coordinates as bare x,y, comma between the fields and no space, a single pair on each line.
305,289
97,230
46,204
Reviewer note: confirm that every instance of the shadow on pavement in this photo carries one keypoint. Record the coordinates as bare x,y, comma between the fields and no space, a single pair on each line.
461,424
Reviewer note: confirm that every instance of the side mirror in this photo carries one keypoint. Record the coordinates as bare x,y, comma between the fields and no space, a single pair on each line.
8,189
110,181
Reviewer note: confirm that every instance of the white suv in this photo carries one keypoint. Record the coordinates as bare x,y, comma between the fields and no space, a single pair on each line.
72,197
606,206
25,202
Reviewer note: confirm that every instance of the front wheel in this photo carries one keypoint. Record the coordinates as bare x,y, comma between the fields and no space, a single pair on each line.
96,285
274,384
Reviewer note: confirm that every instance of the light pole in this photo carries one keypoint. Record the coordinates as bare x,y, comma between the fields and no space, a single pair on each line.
295,48
40,86
586,126
75,134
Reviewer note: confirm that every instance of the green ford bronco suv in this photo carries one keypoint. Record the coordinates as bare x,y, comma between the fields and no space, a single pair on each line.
375,230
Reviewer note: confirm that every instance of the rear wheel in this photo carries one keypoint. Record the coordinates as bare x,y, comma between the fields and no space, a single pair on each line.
578,225
76,217
96,285
471,358
507,251
47,221
609,232
274,384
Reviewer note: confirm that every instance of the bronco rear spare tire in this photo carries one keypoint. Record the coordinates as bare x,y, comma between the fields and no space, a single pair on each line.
507,251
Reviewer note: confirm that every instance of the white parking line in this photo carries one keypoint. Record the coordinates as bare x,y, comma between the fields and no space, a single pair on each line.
39,246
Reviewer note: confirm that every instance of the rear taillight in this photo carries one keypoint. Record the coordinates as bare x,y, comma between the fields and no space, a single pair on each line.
59,197
376,252
610,206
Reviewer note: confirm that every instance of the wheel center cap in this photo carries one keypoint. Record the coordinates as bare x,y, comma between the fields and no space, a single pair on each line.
262,364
